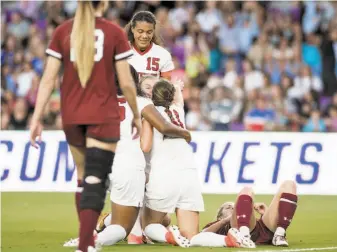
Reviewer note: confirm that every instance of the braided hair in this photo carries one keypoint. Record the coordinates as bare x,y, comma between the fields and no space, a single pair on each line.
143,16
162,95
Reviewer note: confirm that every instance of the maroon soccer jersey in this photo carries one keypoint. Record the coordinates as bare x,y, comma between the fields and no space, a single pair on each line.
97,102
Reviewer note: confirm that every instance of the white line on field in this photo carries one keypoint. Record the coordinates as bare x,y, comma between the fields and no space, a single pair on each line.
293,250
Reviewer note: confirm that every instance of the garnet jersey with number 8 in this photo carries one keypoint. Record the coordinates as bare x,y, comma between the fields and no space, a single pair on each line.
97,102
155,60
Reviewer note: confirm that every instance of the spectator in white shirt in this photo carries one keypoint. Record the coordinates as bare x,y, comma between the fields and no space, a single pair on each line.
24,80
231,74
253,79
306,82
209,18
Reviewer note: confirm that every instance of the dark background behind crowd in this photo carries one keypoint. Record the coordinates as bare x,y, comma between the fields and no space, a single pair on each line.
259,66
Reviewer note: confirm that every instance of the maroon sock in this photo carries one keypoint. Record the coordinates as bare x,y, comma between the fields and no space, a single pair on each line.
243,210
88,220
286,209
78,197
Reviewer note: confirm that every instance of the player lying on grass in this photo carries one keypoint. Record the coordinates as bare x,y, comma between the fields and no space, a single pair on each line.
270,228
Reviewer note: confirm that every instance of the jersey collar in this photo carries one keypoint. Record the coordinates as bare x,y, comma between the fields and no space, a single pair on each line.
144,52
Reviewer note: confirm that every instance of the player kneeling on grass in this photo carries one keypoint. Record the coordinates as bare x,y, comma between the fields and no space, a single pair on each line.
173,180
270,228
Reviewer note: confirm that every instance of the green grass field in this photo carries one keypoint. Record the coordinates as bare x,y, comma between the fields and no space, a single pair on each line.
33,222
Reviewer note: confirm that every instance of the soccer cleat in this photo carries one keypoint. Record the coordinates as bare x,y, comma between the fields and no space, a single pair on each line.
135,240
72,243
90,249
100,223
233,238
280,241
175,238
245,241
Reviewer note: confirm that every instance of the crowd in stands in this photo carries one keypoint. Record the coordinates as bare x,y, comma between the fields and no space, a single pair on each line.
256,66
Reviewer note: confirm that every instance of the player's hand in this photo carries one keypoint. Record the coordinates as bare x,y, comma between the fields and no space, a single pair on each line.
35,133
179,83
260,207
136,127
188,136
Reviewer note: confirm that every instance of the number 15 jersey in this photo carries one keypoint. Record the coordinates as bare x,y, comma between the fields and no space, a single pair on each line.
97,102
155,60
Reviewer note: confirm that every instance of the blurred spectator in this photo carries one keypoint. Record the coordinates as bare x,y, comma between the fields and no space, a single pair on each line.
260,118
331,121
19,118
315,123
25,79
209,17
253,78
306,82
18,26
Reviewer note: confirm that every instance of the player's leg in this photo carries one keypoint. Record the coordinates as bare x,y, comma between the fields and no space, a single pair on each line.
152,225
75,136
101,141
243,217
127,195
280,213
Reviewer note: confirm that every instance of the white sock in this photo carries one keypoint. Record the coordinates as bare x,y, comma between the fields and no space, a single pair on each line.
111,235
137,229
208,239
280,231
107,220
244,231
156,232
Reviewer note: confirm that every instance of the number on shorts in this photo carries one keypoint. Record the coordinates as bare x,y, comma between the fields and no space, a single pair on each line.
121,103
99,45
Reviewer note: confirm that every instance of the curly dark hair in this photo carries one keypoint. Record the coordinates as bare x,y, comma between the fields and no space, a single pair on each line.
143,16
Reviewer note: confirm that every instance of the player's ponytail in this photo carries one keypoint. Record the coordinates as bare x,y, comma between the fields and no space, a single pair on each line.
82,40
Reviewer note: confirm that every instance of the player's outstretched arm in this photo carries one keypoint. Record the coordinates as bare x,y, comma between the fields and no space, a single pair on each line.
127,85
146,137
151,114
215,226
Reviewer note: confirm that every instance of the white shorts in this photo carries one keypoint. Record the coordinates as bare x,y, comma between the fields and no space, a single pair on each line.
127,186
169,189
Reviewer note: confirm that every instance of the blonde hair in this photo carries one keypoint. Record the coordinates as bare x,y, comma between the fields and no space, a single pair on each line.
82,40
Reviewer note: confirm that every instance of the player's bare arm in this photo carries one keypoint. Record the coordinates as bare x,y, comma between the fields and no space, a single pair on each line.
146,137
127,85
217,225
151,114
178,96
166,75
46,87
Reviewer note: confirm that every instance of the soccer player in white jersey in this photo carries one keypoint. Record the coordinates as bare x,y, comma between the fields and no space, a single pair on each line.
173,183
149,57
128,171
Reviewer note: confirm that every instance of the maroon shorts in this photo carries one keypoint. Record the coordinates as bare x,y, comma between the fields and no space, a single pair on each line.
76,134
261,234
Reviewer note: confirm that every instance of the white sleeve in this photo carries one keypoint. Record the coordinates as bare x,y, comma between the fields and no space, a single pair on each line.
142,102
168,63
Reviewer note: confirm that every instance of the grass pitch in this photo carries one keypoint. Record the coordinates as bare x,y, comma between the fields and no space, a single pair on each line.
34,222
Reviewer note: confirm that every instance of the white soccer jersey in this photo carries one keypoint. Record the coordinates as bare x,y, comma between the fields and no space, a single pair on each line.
153,61
127,148
168,150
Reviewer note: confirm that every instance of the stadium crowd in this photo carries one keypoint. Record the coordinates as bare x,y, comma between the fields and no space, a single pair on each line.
260,66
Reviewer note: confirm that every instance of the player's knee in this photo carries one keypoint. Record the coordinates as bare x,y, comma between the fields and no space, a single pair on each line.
247,191
97,169
166,221
288,186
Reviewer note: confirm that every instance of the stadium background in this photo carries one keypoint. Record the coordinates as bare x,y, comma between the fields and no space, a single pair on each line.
254,66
